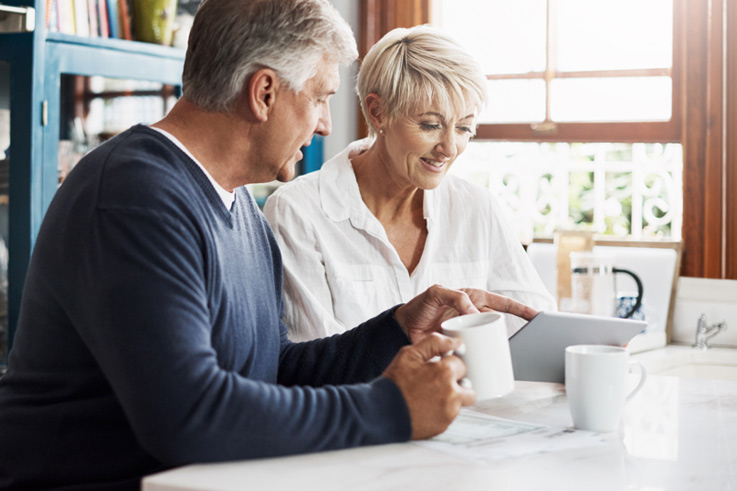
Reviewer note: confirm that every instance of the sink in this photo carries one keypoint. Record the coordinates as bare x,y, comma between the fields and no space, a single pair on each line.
685,361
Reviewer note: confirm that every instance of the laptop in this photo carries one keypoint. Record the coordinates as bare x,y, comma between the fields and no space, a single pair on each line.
538,348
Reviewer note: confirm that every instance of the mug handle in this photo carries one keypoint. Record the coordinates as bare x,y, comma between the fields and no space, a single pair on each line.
643,376
640,290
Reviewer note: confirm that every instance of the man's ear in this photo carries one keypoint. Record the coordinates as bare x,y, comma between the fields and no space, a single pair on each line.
262,93
374,108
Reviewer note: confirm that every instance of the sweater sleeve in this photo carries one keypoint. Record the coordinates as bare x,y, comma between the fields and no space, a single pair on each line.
149,329
355,356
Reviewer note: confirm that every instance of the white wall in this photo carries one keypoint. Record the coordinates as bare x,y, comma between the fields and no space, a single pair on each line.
717,299
343,105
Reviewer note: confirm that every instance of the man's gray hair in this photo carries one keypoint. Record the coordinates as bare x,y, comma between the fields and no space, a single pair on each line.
232,39
411,69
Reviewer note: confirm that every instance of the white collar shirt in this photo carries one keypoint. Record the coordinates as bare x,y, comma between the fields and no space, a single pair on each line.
340,268
227,197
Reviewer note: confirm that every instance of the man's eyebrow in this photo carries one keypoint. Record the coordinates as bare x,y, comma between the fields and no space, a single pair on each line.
324,90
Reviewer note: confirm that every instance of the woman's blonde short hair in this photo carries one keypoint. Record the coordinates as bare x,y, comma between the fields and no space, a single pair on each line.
415,67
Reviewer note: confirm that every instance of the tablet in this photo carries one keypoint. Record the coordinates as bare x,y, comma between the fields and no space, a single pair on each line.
538,348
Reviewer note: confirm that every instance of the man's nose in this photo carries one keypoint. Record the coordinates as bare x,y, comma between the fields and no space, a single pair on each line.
324,123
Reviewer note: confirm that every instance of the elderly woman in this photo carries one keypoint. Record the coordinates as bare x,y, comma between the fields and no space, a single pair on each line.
382,220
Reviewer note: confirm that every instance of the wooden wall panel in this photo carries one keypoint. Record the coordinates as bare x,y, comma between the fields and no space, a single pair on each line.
714,146
703,219
731,143
377,17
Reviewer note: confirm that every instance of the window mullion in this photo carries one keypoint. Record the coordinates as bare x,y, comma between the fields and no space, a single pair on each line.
551,62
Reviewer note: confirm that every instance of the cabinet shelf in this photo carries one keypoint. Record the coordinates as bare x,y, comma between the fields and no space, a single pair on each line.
117,45
113,58
37,61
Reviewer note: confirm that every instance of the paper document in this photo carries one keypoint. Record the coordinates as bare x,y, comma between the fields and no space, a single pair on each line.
482,437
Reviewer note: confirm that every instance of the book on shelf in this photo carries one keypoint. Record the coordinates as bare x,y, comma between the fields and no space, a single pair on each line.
52,17
102,17
93,18
112,15
90,18
125,20
81,18
65,16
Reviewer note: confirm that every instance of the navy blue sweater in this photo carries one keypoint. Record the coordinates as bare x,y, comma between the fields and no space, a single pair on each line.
150,336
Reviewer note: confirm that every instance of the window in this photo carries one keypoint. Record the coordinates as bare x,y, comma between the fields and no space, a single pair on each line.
556,66
703,77
582,129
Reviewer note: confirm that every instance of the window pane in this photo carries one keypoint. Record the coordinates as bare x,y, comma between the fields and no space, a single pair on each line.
505,37
611,99
113,106
624,190
609,35
515,101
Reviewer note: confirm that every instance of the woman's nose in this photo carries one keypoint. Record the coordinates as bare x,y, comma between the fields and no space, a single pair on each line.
447,146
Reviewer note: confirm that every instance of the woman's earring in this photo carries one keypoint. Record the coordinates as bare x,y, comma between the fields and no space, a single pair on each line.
381,132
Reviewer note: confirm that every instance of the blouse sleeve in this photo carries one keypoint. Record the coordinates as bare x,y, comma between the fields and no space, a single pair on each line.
511,272
308,302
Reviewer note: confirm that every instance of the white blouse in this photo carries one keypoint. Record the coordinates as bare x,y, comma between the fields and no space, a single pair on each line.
340,268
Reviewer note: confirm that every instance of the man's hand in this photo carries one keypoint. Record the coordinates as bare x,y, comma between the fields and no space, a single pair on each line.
423,314
430,388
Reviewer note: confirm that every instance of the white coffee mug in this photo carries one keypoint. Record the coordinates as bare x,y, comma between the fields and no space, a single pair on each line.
485,352
595,385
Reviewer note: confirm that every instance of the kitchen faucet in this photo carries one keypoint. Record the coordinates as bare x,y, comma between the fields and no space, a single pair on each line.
705,332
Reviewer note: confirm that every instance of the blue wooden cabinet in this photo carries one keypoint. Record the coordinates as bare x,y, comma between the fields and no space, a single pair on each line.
36,61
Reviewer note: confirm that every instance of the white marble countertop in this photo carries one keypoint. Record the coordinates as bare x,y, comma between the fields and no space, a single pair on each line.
684,360
676,434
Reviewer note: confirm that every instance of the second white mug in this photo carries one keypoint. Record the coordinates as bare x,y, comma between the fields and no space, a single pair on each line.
485,352
595,385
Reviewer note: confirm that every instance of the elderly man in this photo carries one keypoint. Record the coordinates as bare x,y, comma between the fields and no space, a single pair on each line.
150,332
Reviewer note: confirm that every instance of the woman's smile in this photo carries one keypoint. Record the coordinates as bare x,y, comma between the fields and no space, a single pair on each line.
434,165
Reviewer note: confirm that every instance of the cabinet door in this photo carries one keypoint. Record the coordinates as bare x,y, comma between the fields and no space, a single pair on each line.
4,200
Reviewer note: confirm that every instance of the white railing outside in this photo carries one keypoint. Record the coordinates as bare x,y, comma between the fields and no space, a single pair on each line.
623,190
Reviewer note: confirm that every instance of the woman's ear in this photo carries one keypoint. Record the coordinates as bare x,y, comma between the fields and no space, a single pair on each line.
375,111
262,93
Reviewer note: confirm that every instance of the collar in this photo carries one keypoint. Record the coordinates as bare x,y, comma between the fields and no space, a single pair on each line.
340,196
226,196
